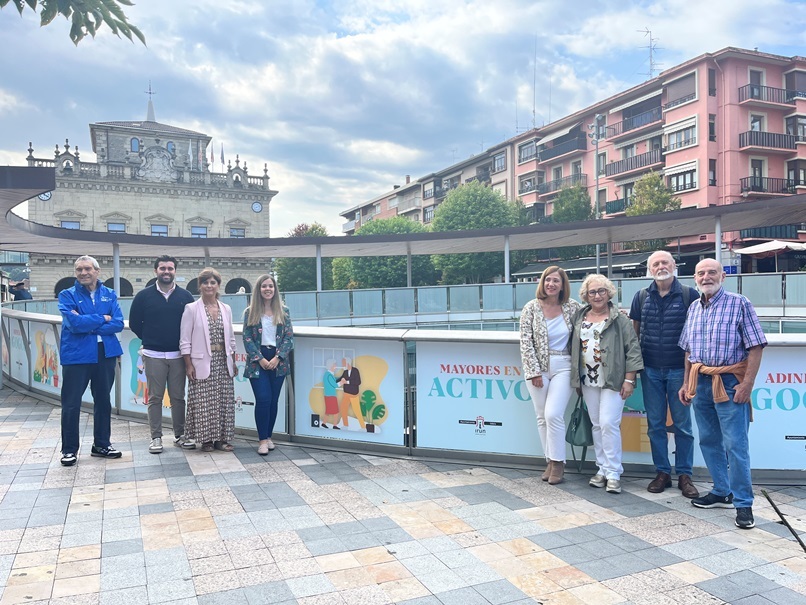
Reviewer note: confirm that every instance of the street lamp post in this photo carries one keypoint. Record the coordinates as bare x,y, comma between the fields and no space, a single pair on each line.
595,138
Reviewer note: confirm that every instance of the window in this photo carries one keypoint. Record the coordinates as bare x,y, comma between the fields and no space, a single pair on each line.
712,82
171,147
134,144
655,143
602,200
601,132
116,227
601,162
682,138
796,125
527,184
159,230
756,122
393,203
197,231
683,181
499,162
557,173
71,225
712,173
576,167
237,232
757,170
428,193
712,127
628,152
627,191
527,151
376,209
451,183
428,214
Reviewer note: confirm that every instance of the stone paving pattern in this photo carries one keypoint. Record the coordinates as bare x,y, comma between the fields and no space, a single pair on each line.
315,527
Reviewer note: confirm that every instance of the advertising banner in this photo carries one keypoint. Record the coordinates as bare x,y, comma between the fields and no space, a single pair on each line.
47,367
18,359
6,359
473,397
350,389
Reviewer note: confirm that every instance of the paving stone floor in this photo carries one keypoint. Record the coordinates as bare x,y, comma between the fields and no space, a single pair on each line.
314,527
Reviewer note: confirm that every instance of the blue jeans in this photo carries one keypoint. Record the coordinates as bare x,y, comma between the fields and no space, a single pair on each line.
660,387
724,442
266,388
75,378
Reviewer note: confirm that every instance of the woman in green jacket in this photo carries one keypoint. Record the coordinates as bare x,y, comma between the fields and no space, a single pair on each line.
605,358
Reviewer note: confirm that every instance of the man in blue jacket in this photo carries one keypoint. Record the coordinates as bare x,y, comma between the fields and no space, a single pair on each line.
659,314
89,351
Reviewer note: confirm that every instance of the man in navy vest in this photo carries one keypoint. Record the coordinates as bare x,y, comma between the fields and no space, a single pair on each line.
658,314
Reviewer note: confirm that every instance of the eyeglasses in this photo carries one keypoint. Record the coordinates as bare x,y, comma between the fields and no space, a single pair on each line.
600,292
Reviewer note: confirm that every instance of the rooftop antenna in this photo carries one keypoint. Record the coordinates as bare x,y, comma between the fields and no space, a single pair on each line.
653,46
454,150
534,88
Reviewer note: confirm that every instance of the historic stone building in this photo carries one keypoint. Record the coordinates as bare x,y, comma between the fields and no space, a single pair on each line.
150,179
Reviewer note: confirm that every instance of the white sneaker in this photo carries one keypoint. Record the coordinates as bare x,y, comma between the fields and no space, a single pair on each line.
156,446
598,480
184,443
613,486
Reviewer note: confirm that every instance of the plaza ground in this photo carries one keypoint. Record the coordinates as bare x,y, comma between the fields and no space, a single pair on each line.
315,527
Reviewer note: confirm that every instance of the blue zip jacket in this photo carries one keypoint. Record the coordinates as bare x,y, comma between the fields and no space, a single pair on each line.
79,340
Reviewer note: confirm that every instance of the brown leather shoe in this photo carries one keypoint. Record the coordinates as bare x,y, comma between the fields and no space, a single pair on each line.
547,472
557,472
685,485
659,483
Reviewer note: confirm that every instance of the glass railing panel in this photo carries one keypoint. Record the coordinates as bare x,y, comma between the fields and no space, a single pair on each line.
763,290
796,290
524,292
731,283
496,297
628,289
367,303
464,299
793,327
334,304
301,305
238,304
432,300
399,301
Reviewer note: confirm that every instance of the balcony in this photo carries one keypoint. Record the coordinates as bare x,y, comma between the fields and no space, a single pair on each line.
348,227
763,184
578,144
680,101
483,174
527,186
636,122
777,232
637,162
767,140
557,184
680,144
764,96
616,206
407,205
683,186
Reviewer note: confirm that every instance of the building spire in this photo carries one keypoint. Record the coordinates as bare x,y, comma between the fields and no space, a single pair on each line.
150,117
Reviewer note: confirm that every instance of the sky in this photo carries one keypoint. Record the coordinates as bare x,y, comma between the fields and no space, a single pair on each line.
342,99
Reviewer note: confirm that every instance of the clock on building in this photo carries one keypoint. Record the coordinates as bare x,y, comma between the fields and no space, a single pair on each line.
45,196
257,206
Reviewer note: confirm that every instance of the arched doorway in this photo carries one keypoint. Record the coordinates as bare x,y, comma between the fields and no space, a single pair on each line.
63,284
126,288
236,284
193,286
151,282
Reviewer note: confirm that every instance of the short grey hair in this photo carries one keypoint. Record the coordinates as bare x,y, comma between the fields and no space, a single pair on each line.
348,360
88,259
666,252
595,277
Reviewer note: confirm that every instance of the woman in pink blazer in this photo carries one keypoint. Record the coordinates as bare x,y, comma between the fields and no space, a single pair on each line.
207,343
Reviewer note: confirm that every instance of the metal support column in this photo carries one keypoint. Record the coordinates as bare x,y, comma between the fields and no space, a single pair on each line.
506,259
718,239
116,267
318,267
408,265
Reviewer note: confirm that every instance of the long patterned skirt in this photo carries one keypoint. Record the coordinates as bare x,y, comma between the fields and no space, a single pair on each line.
211,404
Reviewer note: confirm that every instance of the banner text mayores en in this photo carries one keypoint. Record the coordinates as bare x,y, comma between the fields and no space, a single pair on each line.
476,381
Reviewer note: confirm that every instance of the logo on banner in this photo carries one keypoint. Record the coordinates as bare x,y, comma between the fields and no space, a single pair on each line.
479,423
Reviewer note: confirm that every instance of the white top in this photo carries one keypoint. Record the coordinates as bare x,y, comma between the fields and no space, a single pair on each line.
558,333
590,334
269,337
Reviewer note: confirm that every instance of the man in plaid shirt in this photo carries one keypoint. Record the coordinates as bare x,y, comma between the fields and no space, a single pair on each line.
723,342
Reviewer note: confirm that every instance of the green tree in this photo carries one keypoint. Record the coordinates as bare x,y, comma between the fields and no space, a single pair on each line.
651,196
573,204
390,271
299,274
342,269
472,206
86,16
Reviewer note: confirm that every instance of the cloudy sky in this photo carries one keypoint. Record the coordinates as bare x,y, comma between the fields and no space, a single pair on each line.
342,99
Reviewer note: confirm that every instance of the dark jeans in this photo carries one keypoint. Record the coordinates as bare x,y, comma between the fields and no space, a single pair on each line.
75,378
266,388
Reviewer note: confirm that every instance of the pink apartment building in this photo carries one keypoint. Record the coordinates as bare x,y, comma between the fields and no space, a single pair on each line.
721,128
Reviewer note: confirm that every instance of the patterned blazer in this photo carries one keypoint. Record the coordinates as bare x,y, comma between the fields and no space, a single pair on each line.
252,337
535,338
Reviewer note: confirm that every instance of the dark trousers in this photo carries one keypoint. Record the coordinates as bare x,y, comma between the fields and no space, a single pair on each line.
266,388
75,378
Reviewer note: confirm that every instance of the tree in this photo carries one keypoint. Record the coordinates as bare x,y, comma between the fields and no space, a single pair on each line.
86,16
299,274
342,270
472,206
651,196
390,271
573,204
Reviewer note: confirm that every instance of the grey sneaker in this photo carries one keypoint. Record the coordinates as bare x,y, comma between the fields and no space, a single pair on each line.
598,480
156,446
613,486
744,518
184,443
